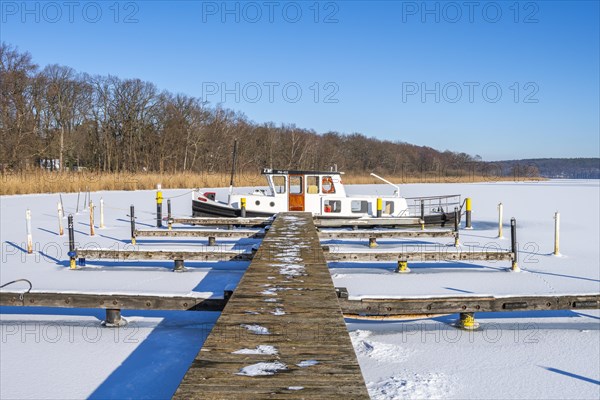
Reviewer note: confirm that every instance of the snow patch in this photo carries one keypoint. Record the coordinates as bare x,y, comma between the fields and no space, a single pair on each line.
307,363
260,349
256,329
415,386
278,311
262,369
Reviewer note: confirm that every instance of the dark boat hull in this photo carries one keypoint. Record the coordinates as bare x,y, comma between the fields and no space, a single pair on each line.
212,209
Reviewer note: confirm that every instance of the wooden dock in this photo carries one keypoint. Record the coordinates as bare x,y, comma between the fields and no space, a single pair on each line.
286,304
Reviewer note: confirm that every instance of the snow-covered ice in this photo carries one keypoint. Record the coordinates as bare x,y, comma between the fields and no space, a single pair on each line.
263,368
528,355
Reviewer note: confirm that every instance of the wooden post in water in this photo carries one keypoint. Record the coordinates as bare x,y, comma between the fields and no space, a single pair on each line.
29,237
132,220
456,225
60,217
92,233
169,220
557,233
500,211
101,213
513,245
77,206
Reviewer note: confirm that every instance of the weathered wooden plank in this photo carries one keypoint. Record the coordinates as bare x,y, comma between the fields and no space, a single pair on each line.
116,301
216,221
188,255
237,233
366,234
456,304
441,254
293,305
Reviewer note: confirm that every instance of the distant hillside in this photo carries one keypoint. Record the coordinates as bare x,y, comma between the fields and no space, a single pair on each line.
568,168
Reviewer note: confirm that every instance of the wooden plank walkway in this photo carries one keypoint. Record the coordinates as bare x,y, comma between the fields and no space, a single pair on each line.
286,300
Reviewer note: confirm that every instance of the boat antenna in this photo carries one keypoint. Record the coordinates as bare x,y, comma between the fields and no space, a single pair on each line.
235,147
389,183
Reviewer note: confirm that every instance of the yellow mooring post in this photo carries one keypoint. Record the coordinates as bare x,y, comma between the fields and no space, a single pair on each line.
159,200
379,207
556,233
372,242
243,207
468,213
467,322
72,252
403,267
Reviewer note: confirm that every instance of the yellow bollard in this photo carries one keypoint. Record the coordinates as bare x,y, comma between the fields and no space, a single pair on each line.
372,242
403,267
379,207
243,207
159,200
468,213
467,322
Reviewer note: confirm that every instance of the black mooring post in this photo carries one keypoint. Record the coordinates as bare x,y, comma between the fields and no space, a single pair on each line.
132,218
71,241
159,200
422,214
513,243
169,222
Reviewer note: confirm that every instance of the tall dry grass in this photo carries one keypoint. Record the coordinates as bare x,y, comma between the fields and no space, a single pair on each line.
39,181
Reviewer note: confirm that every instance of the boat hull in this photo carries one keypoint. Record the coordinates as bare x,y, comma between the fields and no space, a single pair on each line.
214,209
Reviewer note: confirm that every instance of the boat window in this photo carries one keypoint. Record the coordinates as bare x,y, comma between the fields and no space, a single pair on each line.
312,184
327,185
389,207
332,206
359,206
279,184
295,184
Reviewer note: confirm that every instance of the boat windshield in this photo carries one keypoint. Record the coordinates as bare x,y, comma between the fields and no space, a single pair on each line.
278,184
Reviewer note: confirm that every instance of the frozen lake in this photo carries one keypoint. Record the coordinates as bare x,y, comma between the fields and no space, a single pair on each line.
51,353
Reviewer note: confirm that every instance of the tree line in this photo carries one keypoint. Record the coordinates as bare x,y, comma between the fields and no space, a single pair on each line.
109,124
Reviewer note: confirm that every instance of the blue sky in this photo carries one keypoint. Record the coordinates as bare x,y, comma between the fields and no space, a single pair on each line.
503,80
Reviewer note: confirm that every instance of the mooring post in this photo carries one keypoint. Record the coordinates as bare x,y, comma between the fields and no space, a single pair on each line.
456,224
71,230
178,266
372,242
29,237
101,213
513,244
77,206
92,233
212,241
379,207
468,213
243,207
114,318
169,221
422,215
467,321
60,217
402,267
500,211
132,218
557,233
159,200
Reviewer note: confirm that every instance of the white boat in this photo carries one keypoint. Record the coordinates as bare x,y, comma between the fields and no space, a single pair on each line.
323,194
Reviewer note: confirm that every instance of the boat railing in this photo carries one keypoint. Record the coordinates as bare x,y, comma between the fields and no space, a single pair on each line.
429,205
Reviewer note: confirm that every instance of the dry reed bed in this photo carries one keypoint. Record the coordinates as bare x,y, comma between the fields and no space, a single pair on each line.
53,182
